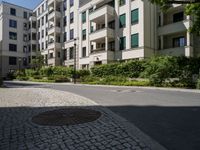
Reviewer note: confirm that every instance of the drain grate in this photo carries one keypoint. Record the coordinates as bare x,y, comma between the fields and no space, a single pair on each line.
70,116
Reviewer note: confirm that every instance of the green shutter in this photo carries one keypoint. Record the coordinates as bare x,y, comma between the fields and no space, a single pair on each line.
134,16
122,43
122,20
134,40
83,17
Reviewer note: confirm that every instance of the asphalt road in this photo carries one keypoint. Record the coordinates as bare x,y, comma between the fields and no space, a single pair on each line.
172,118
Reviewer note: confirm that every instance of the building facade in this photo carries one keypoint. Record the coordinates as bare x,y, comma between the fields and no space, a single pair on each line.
92,32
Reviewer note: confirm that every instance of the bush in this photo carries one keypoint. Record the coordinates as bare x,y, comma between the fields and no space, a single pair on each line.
160,69
22,78
83,73
37,77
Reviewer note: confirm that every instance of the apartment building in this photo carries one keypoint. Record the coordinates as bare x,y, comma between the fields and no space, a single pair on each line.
92,32
15,46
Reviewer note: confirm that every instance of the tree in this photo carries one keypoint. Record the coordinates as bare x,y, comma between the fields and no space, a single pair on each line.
192,8
37,62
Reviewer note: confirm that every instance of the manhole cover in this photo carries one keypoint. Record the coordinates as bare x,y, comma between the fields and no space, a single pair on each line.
61,117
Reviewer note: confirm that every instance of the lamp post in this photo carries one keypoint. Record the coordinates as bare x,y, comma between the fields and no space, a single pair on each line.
19,60
74,61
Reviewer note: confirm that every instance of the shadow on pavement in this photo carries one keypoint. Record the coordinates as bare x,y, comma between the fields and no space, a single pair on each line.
176,128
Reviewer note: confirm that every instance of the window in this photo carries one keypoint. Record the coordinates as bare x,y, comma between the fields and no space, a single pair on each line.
46,44
84,52
13,11
64,21
84,17
179,41
122,21
58,54
42,45
84,34
12,60
178,17
71,34
25,49
42,33
38,22
91,29
13,47
42,21
25,37
71,3
65,5
38,35
122,43
13,23
65,37
13,35
25,15
34,47
122,2
25,26
71,17
25,61
134,40
134,16
71,53
46,18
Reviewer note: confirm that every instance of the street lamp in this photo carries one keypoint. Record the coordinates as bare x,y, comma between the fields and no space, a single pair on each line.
19,60
74,61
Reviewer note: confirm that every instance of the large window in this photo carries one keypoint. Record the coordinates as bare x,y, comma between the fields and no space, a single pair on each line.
84,34
13,47
13,35
179,41
65,37
134,16
134,40
13,11
178,17
12,60
84,17
122,21
84,52
71,34
71,3
25,15
122,43
71,53
13,23
71,17
122,2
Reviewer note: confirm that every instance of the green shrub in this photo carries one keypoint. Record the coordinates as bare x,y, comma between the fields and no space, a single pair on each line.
83,73
160,69
60,78
37,77
31,72
89,79
22,78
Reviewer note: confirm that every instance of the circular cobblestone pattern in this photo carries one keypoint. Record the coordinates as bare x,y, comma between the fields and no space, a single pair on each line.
62,117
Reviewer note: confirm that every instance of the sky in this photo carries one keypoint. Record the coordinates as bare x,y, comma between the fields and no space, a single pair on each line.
31,4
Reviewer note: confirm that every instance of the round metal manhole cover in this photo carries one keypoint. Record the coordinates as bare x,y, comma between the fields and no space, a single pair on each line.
62,117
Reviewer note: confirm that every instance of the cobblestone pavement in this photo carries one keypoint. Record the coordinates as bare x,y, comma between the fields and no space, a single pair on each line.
17,132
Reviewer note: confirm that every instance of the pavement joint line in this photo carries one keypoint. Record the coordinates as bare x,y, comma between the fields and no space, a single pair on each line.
111,86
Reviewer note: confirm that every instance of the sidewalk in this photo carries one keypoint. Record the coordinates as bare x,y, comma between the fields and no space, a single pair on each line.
19,105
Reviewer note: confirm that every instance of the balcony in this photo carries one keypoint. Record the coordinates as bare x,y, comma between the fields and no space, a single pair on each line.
54,45
52,1
102,33
102,11
53,29
174,27
32,18
53,13
178,51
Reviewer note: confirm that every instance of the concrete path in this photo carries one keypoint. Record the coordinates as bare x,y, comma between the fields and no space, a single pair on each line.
17,131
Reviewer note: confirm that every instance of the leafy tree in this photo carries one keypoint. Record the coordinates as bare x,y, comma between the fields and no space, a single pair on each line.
37,62
192,8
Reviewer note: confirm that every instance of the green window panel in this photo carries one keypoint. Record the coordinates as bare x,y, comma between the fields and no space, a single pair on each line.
122,43
134,40
83,17
122,21
134,16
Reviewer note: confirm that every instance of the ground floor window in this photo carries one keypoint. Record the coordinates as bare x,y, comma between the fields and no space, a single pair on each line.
12,60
